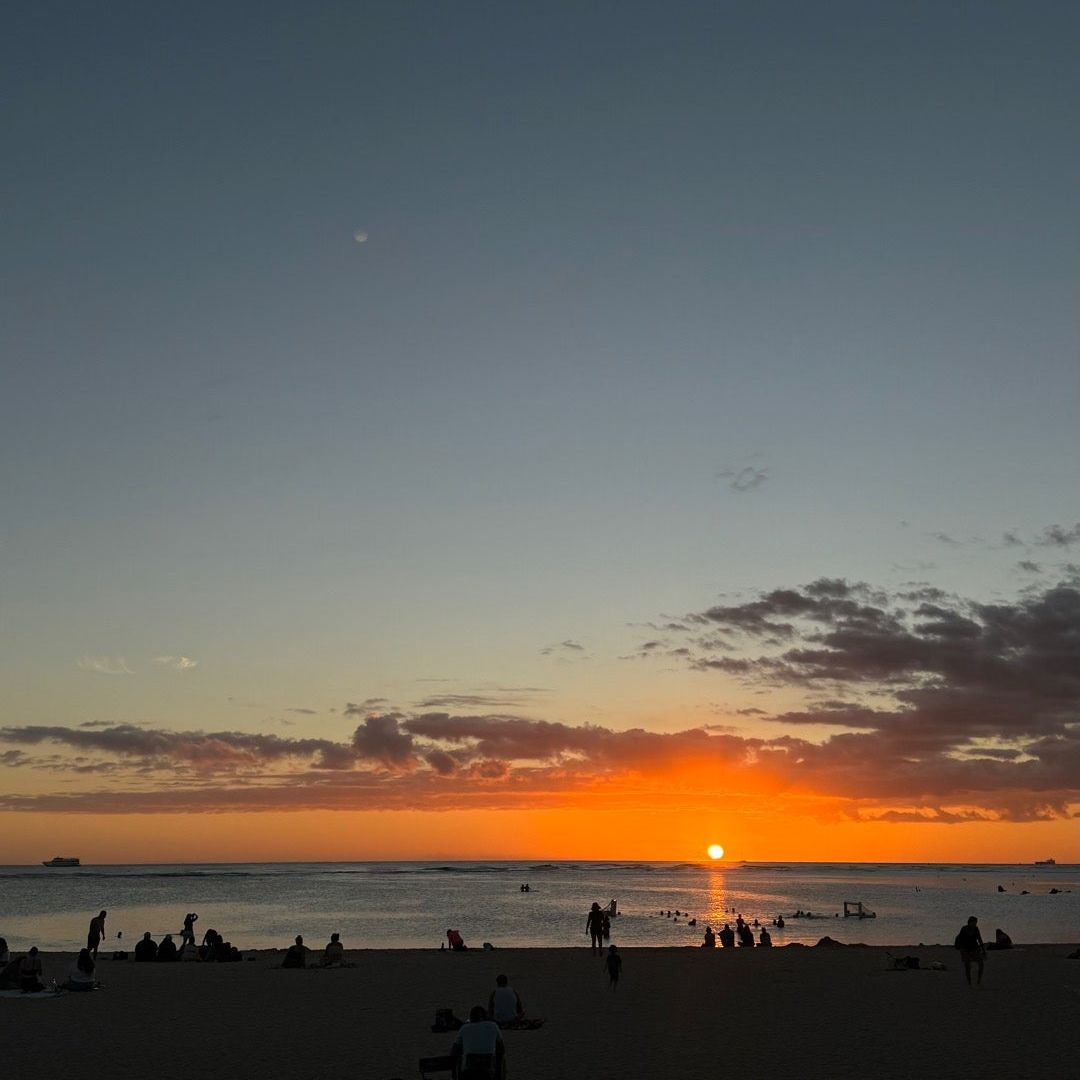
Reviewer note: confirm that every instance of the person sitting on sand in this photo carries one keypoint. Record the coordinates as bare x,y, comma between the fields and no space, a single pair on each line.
30,972
746,937
166,951
5,956
727,937
80,975
146,950
1001,940
296,955
334,953
505,1006
765,938
710,939
970,943
478,1050
455,941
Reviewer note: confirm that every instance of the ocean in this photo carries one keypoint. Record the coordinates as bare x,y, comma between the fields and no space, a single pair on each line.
411,905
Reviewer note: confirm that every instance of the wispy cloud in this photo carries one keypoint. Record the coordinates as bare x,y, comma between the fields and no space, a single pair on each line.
177,663
104,665
747,478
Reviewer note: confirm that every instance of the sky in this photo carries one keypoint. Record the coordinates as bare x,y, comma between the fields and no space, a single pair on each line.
570,430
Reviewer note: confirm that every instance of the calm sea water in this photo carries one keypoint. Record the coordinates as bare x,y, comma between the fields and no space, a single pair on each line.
410,905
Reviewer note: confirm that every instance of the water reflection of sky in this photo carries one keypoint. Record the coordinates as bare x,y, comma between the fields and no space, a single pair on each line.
407,906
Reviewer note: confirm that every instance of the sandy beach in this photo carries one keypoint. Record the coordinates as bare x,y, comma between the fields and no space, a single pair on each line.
679,1013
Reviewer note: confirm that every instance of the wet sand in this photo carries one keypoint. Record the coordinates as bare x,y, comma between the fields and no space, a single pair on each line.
683,1013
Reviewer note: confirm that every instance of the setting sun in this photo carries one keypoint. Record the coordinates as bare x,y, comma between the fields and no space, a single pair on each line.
715,851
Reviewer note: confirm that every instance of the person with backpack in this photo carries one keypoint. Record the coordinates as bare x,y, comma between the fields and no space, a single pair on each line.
972,951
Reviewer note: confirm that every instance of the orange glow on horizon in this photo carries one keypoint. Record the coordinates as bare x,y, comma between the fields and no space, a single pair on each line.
551,834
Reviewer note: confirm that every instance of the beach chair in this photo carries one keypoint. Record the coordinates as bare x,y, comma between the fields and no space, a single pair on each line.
431,1068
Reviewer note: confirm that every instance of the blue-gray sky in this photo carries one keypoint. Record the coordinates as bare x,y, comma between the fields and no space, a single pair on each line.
658,302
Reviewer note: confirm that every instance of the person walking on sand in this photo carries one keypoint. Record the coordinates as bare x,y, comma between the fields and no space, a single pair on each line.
613,964
972,951
96,932
594,927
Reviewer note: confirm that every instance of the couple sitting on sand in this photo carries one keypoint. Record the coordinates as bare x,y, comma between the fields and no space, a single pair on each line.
297,953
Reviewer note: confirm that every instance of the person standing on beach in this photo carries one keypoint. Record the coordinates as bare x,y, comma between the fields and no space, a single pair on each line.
594,927
188,933
972,951
613,964
96,932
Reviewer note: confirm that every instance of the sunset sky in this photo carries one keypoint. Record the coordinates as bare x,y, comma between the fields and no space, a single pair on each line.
564,430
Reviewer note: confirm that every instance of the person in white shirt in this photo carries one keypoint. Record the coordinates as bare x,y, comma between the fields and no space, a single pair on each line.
505,1006
478,1048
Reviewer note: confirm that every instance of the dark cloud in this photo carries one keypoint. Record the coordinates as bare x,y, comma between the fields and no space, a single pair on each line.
747,478
1059,536
303,712
933,708
562,648
1029,567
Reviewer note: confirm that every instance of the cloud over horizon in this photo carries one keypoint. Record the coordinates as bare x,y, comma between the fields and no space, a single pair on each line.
919,706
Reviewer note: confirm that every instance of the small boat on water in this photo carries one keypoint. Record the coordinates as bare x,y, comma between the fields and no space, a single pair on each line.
1046,862
59,860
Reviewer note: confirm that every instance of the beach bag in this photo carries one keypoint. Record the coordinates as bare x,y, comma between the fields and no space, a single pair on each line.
445,1020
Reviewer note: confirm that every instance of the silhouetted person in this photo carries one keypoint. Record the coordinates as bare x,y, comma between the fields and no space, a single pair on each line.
765,938
96,932
1001,940
455,941
727,937
334,953
296,955
970,943
710,939
166,951
146,949
779,922
478,1049
81,974
188,933
30,972
505,1005
594,927
746,937
5,956
613,964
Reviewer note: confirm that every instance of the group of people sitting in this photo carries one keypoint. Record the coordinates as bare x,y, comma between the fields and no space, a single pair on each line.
26,973
214,949
744,933
333,955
